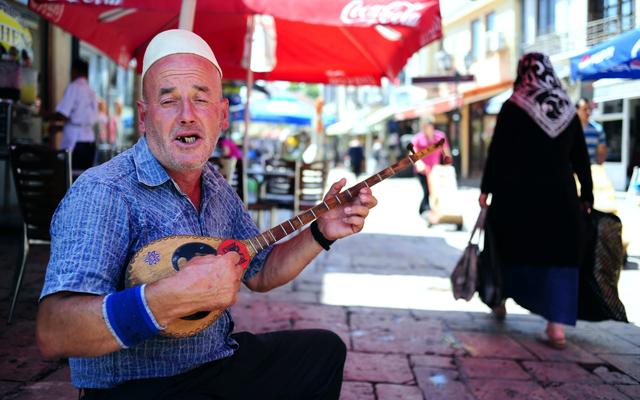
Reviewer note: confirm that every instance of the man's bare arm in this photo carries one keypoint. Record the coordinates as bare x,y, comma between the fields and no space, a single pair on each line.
289,258
72,325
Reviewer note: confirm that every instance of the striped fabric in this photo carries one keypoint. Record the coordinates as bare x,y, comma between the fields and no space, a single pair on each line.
109,213
593,135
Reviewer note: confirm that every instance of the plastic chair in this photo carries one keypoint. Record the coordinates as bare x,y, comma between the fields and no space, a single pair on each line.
42,177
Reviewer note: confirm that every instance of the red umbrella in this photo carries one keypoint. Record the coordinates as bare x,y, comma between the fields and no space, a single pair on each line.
330,41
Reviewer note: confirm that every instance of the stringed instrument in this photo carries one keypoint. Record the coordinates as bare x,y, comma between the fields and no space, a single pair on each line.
164,257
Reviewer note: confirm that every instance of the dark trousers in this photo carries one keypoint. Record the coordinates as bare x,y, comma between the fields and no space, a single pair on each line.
83,155
277,365
424,204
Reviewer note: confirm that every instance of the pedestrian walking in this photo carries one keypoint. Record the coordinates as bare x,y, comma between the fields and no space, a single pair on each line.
356,156
594,135
536,214
427,136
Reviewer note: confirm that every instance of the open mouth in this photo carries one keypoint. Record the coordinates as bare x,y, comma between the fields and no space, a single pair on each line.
187,139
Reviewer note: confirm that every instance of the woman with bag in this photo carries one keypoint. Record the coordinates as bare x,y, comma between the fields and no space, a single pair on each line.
536,216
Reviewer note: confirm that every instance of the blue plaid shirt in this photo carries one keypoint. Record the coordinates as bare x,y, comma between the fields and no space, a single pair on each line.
109,213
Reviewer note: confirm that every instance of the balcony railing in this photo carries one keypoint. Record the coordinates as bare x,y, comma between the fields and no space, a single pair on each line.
551,43
597,31
600,30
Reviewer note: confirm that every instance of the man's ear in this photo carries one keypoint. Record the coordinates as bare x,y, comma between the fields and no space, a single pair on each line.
142,112
224,118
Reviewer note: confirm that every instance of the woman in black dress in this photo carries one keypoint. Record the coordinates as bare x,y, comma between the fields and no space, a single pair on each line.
536,215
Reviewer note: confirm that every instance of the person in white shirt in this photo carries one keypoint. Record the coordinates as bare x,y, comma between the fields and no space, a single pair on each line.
79,110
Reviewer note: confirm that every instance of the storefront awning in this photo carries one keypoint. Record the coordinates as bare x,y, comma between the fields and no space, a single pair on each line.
615,58
363,122
479,93
431,106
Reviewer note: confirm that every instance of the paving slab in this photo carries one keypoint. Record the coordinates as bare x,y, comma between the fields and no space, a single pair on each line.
385,368
436,383
557,372
576,391
398,392
492,345
498,389
488,368
357,391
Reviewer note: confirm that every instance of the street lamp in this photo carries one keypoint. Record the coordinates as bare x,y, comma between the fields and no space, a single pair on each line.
444,60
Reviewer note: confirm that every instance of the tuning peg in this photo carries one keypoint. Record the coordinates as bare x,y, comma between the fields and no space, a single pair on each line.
410,148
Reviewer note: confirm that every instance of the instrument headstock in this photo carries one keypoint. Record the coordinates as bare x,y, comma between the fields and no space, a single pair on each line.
424,152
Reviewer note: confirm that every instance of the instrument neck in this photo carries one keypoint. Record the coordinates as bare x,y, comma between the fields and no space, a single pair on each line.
273,235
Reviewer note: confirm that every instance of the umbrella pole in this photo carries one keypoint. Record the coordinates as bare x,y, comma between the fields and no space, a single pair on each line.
247,117
187,14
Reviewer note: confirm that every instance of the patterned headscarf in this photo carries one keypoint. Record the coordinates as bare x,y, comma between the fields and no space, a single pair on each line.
538,92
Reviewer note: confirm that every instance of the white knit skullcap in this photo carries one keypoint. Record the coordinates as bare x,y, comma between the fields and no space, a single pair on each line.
177,41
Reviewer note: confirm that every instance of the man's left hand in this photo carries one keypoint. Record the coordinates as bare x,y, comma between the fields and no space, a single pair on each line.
348,218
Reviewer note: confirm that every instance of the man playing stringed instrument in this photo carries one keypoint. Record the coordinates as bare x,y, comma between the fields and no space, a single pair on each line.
163,187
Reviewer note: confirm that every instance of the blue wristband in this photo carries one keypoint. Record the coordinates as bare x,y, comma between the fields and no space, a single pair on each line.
128,317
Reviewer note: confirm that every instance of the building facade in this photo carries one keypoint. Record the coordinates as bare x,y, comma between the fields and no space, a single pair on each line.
566,28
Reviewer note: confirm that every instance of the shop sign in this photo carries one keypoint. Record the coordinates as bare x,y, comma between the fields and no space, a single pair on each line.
12,31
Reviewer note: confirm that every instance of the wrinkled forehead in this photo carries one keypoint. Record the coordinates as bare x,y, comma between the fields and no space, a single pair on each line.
171,68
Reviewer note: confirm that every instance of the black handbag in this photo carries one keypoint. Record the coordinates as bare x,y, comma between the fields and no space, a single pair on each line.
598,298
465,273
489,283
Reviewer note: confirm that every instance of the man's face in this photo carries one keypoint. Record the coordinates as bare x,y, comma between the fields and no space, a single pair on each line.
183,112
427,128
584,112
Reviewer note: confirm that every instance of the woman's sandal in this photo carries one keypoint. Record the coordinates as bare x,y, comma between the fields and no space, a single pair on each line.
554,343
499,312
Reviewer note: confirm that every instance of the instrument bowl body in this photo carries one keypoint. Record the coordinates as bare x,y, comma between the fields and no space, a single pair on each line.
162,258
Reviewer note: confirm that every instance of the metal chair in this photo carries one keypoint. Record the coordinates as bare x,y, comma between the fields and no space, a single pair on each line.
42,177
311,180
276,187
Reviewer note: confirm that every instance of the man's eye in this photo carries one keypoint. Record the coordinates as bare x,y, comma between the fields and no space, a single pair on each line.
168,101
202,101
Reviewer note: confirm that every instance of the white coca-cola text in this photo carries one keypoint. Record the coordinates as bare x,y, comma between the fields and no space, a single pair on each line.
395,13
97,2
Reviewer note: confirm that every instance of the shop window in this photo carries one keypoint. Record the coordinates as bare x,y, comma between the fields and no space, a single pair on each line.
613,130
490,21
612,107
475,39
546,16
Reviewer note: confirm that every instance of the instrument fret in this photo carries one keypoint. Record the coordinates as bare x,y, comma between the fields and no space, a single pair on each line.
342,197
254,247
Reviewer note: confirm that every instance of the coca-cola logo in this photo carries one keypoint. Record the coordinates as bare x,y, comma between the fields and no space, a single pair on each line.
395,13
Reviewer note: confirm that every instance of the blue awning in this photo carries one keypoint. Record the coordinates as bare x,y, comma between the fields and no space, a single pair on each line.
615,58
276,110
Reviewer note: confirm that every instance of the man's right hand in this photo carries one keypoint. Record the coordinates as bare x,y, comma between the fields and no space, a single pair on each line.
204,283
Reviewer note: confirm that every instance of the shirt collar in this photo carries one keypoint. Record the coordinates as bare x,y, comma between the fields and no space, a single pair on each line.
148,169
151,173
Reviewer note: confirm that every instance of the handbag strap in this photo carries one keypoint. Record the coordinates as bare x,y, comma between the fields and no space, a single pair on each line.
479,226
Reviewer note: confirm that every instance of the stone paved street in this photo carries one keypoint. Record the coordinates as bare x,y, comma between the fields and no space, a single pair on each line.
386,293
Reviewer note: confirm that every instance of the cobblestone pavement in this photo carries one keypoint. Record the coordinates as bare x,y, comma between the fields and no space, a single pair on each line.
386,293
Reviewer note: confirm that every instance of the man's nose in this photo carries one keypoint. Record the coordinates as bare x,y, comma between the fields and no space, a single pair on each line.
187,115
